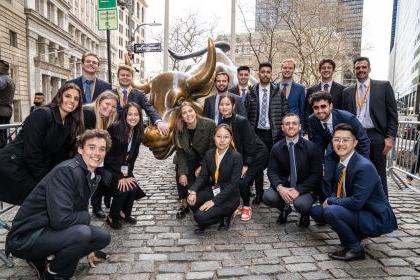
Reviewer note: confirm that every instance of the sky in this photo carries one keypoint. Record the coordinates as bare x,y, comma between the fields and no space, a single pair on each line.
377,15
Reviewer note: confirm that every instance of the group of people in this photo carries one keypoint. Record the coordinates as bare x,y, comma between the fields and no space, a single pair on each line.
62,159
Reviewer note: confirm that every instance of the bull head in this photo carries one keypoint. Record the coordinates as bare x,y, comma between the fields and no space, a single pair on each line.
167,91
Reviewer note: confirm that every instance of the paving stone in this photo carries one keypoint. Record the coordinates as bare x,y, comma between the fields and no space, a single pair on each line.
170,276
298,259
205,266
316,275
232,271
366,272
394,262
301,267
202,275
267,269
173,267
289,276
401,271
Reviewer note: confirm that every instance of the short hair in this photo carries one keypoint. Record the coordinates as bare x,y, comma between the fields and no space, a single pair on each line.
94,133
125,67
265,64
289,60
361,58
89,54
222,73
344,127
228,96
39,93
326,60
4,66
288,115
320,95
243,68
225,126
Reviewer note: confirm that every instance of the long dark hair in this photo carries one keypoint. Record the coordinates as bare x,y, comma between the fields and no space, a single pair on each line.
77,121
122,129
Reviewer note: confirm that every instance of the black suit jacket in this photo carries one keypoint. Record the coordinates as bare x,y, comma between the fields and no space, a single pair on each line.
100,87
210,103
382,107
235,90
308,166
336,92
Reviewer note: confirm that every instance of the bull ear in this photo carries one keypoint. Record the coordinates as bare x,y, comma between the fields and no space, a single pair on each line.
204,75
145,87
127,60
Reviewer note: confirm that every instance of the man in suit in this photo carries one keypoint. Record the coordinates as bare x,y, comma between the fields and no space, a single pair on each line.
128,94
39,99
90,85
243,87
211,103
294,92
294,171
374,104
321,126
265,110
357,207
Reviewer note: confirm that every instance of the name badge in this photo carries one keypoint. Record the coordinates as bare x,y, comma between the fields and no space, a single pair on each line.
216,190
124,170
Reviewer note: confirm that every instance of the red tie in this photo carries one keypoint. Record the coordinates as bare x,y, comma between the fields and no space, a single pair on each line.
124,99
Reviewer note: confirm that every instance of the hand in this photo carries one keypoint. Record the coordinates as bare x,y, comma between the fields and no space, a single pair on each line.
163,128
192,198
294,194
284,193
197,171
389,143
183,180
207,205
92,259
244,170
126,184
325,204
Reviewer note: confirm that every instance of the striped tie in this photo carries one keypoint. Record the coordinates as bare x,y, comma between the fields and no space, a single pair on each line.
341,179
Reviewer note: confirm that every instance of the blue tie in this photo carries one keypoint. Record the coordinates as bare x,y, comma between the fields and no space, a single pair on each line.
292,160
88,91
263,112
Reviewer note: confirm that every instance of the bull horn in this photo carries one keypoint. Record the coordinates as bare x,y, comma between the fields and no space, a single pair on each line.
206,72
224,46
127,60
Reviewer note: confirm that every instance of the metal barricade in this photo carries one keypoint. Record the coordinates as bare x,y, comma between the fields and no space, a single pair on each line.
11,132
404,161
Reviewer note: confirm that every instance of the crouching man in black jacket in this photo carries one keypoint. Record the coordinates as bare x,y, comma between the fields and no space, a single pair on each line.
54,218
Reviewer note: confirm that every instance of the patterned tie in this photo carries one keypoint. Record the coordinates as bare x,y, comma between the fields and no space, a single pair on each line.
88,91
285,90
124,97
341,179
292,161
243,95
327,131
263,113
326,87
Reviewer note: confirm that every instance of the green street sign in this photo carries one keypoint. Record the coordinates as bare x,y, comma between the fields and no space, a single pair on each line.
107,4
107,19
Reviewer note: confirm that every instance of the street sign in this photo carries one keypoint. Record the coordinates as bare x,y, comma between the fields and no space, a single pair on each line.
107,4
107,19
151,47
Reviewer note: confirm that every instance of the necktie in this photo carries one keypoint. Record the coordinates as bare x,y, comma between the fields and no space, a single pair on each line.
292,160
219,119
124,97
285,90
243,94
326,87
341,178
88,91
263,120
327,130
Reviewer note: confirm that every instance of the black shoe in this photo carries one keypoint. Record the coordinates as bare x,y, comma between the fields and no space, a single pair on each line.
130,220
348,255
258,199
304,220
282,219
224,223
182,212
50,276
114,223
98,212
39,266
107,201
200,230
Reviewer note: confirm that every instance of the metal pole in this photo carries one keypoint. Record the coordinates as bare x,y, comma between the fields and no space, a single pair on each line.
166,37
108,47
233,31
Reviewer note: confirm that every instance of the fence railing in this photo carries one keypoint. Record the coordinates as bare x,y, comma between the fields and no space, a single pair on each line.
404,161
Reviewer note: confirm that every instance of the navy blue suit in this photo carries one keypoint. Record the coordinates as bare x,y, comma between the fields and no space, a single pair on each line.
100,87
296,101
364,211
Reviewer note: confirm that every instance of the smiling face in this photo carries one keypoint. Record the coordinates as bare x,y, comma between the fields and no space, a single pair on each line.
326,70
344,143
287,70
322,109
265,75
362,70
93,153
125,77
70,100
189,116
90,65
222,82
291,126
108,107
133,116
243,78
226,107
222,139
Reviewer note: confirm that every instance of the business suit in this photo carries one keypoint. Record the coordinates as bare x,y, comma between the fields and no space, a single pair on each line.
363,211
210,106
309,173
226,202
384,115
235,90
296,101
100,87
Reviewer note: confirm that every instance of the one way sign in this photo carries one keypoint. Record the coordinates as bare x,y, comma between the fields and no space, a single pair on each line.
151,47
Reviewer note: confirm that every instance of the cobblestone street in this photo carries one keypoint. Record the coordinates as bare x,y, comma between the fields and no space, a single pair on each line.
161,247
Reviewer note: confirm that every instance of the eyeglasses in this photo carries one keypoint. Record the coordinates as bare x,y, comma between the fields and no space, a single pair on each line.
345,140
316,107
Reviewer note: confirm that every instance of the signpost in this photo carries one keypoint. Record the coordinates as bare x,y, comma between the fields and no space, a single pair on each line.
107,4
151,47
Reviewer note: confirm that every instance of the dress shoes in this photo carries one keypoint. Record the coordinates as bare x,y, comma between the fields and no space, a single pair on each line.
39,266
98,212
130,220
182,212
304,220
50,276
282,219
114,223
258,199
200,230
224,223
348,255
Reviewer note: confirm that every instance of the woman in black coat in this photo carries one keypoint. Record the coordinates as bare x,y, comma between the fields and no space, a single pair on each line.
254,152
214,196
47,138
126,135
193,137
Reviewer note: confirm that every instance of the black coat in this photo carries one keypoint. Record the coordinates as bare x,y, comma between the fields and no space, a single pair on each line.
210,105
336,92
100,87
308,166
247,143
42,143
89,117
278,107
229,175
59,201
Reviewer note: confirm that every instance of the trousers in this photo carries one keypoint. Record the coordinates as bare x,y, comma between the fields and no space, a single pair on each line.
302,204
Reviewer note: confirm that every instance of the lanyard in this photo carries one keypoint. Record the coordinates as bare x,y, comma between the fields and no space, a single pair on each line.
216,172
361,103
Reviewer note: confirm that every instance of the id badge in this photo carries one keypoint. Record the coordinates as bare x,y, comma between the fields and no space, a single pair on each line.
124,170
216,190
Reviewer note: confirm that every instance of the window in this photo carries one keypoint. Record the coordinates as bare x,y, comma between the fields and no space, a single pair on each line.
13,38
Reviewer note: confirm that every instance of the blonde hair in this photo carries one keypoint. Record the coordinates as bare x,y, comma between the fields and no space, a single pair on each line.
89,54
125,67
103,122
289,60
